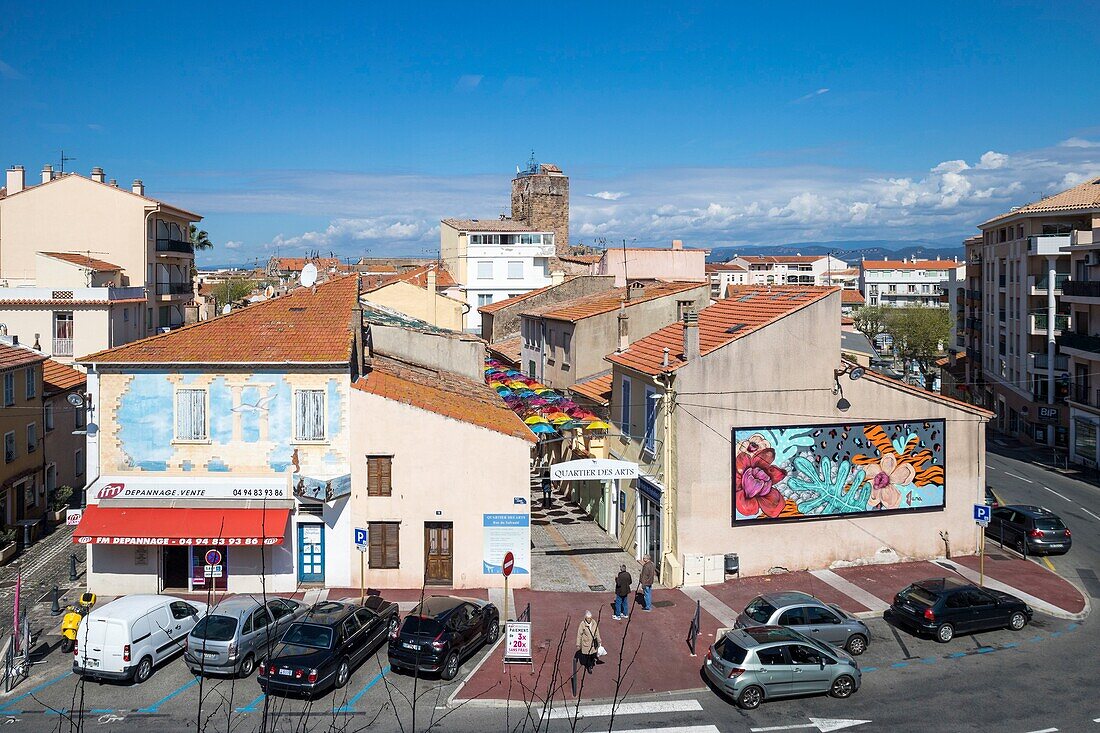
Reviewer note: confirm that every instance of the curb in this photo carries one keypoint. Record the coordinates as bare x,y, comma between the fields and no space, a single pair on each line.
501,704
1037,603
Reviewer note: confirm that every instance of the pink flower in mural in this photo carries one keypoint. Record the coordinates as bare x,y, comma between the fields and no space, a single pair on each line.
756,481
885,477
753,444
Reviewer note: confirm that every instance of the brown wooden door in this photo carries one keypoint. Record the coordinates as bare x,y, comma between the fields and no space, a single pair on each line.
437,553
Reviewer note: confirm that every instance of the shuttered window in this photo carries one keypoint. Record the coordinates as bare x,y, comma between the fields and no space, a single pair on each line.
383,545
309,409
191,414
378,476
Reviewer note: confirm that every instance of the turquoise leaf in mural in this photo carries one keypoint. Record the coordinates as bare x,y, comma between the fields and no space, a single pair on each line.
787,442
818,491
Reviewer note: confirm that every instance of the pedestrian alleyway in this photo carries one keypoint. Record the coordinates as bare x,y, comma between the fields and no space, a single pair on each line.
569,551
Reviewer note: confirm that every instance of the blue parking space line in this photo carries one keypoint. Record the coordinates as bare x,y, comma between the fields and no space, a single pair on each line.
101,711
899,665
251,707
1055,634
957,655
1011,645
869,669
1071,627
153,708
929,660
349,706
986,649
33,690
1035,638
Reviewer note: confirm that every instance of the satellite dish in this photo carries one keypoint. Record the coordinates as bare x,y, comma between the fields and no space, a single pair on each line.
308,278
856,373
75,400
269,291
226,308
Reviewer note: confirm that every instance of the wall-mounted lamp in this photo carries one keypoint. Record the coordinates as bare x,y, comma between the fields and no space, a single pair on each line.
854,372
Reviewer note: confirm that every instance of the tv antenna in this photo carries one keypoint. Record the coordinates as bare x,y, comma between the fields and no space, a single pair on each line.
308,278
64,159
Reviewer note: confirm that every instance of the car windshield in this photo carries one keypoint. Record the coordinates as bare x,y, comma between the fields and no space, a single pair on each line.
759,610
421,625
215,628
729,651
1050,525
920,595
311,635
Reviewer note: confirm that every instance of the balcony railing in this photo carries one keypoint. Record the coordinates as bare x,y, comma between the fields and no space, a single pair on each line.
1039,361
62,347
1082,288
174,289
1048,244
1076,341
1040,282
175,245
1081,394
1039,322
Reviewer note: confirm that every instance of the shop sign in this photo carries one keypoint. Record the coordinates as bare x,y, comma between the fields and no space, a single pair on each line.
122,490
517,641
182,541
72,517
503,534
593,469
1048,413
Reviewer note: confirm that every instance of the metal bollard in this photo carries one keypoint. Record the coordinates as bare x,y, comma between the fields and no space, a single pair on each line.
55,607
72,566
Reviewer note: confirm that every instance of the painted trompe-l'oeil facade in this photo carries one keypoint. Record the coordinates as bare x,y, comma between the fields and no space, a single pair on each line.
249,438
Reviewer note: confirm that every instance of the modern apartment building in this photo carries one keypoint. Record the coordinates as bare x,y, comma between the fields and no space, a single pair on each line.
724,274
791,269
88,265
902,283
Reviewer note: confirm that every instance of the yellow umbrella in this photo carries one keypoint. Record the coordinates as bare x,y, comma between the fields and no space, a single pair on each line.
535,419
559,419
597,425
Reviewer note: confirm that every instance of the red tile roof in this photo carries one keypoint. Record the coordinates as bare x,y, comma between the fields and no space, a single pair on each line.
587,306
909,265
724,267
444,394
80,260
508,349
69,303
581,259
491,225
851,297
58,377
597,389
307,325
295,264
17,356
494,307
748,306
1082,197
418,276
781,259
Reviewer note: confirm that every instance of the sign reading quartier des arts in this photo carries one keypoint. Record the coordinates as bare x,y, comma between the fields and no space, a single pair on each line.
593,469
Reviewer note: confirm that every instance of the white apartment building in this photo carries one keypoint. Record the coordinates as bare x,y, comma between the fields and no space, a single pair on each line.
791,269
86,265
902,283
724,274
494,259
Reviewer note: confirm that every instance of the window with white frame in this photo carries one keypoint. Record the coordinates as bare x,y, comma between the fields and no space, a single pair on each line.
32,383
624,411
484,299
309,414
485,270
9,389
515,269
190,414
650,419
32,437
47,416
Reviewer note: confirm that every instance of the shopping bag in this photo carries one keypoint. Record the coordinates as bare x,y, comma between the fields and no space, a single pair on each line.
601,652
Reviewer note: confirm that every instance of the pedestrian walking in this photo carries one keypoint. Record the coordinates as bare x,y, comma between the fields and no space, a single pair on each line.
588,641
645,582
623,582
546,502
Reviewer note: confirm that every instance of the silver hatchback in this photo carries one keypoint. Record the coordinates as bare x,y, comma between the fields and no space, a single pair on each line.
235,635
809,616
765,662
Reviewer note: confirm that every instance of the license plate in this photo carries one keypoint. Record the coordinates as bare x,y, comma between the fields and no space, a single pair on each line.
414,647
91,662
285,672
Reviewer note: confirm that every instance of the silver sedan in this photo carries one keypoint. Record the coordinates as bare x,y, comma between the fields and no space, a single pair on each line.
809,616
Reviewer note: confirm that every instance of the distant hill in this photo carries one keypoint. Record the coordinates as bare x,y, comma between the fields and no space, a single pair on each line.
852,251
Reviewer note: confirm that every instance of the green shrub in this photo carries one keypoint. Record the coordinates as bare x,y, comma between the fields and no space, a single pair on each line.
61,496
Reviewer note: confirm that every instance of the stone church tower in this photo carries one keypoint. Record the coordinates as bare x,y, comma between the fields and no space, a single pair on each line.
540,198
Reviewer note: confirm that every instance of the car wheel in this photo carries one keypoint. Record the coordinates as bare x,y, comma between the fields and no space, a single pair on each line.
945,633
144,670
1017,621
342,673
67,646
392,628
492,632
450,666
750,697
1020,546
857,644
247,666
843,686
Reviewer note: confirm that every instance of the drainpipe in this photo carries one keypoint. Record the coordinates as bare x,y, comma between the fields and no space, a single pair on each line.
669,512
1052,273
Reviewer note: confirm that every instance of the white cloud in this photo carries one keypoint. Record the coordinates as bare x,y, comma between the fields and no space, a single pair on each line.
992,160
468,82
232,244
608,195
1079,142
9,72
811,95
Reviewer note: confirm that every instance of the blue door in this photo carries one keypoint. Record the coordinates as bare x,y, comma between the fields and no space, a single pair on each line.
311,553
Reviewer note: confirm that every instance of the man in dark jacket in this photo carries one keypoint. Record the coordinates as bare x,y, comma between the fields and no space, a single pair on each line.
645,580
623,581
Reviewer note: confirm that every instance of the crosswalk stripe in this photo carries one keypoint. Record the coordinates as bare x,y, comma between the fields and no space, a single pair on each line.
626,708
677,729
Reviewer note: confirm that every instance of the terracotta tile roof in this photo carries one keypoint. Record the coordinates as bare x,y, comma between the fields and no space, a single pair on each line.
1083,197
76,258
846,321
849,271
58,377
748,309
907,265
307,325
508,349
582,259
418,276
597,389
851,297
295,264
592,305
18,356
781,259
494,307
70,303
444,394
490,225
724,267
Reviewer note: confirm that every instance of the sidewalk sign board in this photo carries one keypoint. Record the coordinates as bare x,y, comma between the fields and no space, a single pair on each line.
517,642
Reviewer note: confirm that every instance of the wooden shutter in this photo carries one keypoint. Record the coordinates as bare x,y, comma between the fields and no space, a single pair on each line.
384,545
379,482
377,542
392,558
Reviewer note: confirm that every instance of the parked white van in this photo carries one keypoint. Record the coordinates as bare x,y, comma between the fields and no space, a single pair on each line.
128,637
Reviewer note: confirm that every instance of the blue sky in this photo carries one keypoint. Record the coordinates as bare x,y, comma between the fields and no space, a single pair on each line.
356,128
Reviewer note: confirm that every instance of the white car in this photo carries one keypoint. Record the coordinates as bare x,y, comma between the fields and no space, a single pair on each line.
127,638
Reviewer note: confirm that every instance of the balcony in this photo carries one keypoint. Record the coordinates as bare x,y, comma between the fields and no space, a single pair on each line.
1037,284
174,289
974,295
62,347
1081,394
1048,244
175,245
1037,362
1082,289
30,295
1038,324
1087,347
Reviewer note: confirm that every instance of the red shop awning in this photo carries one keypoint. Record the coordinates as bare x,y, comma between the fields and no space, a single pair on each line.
182,526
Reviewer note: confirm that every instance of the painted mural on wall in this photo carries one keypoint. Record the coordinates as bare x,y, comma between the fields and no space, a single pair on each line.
794,472
249,426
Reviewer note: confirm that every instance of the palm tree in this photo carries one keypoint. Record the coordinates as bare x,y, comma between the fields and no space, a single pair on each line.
199,239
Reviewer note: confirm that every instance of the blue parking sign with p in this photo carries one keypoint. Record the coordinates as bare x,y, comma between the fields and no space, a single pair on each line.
361,538
982,513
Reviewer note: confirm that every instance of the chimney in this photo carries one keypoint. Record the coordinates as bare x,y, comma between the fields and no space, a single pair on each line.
677,244
557,277
138,187
17,179
97,174
47,173
113,182
691,336
624,326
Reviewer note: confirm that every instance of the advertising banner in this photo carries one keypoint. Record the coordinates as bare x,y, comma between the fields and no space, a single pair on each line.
504,533
517,641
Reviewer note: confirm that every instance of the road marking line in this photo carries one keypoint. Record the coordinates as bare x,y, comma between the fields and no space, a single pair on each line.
1048,563
251,707
33,690
1086,511
853,591
1062,496
711,604
1044,730
997,496
678,729
626,708
349,706
1019,477
153,708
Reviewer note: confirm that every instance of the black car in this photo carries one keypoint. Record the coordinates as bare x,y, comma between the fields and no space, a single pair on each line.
320,649
442,631
1030,529
942,607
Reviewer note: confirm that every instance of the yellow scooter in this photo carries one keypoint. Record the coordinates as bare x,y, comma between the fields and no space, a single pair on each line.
71,621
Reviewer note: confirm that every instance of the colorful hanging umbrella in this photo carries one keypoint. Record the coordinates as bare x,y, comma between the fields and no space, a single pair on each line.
542,428
560,420
597,425
504,392
535,419
571,425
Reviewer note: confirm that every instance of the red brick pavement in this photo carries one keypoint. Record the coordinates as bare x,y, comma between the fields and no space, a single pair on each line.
1029,577
737,593
884,581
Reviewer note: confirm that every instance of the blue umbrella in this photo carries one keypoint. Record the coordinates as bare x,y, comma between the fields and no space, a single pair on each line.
541,428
